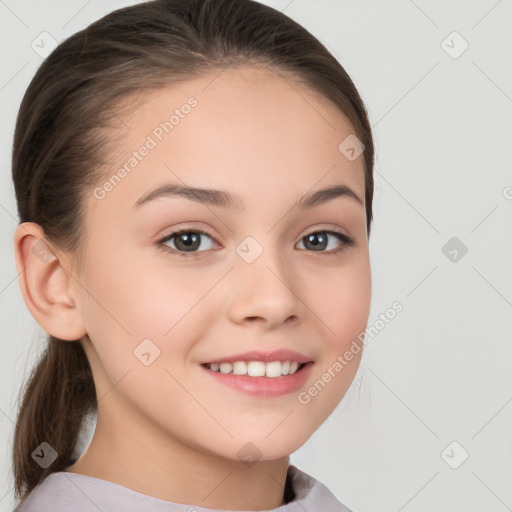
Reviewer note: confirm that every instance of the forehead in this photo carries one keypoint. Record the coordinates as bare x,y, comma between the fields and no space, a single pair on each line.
249,130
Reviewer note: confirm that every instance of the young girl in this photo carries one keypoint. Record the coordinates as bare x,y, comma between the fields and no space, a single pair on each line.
194,186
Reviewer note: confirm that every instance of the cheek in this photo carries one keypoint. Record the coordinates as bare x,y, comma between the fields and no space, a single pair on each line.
130,300
134,318
145,294
342,300
170,303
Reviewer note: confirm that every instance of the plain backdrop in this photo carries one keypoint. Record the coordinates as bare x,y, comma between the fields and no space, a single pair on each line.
427,422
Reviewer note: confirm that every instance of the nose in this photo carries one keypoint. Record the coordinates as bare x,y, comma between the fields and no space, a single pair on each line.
265,292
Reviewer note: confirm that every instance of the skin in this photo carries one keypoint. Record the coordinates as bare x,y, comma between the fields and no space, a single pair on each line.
170,430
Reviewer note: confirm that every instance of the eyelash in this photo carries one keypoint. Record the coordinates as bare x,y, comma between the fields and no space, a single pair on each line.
346,241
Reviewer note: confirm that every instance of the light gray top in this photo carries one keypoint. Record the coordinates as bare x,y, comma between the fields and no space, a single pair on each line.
72,492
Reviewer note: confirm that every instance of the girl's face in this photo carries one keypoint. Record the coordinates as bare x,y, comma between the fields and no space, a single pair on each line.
253,281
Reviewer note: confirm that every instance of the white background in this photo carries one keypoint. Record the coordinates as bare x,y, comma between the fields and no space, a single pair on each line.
441,370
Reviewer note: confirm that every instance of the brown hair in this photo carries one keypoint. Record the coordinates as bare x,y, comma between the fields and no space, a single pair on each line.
60,149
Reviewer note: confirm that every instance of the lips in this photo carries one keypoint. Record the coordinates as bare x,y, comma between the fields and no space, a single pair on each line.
263,387
266,357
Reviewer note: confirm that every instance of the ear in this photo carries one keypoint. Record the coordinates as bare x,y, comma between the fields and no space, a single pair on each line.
46,283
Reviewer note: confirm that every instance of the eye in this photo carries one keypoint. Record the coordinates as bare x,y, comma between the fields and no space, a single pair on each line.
319,241
187,241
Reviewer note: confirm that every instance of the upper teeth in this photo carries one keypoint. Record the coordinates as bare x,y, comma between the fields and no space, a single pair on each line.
257,368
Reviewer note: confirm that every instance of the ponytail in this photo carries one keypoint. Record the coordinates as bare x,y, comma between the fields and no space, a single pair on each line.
57,396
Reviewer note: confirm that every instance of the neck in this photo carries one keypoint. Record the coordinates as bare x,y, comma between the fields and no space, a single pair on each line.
176,472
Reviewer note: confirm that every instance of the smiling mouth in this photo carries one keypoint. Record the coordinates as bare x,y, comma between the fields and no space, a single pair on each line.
270,369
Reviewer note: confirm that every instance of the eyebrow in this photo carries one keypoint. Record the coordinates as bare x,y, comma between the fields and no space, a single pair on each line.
223,199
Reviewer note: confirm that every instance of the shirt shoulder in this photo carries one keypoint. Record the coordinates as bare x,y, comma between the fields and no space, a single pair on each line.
311,494
72,492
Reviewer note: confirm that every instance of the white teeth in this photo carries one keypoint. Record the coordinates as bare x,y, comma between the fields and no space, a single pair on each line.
294,366
257,368
273,369
240,368
225,367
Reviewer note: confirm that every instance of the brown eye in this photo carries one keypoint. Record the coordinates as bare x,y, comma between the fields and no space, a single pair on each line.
185,241
318,241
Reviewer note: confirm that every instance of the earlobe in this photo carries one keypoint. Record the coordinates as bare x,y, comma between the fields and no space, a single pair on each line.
45,283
